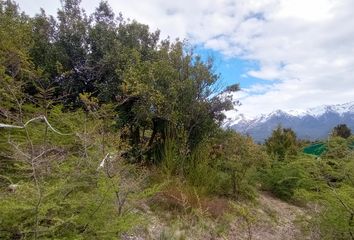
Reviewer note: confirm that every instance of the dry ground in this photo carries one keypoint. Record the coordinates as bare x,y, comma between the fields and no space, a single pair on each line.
269,219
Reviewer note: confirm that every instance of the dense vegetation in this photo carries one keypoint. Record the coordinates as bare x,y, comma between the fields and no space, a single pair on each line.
325,183
101,119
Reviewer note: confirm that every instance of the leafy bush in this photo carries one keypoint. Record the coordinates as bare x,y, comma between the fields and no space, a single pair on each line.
283,179
337,148
56,188
239,159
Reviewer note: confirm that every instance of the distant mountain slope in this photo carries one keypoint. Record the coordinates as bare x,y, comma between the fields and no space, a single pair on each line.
315,123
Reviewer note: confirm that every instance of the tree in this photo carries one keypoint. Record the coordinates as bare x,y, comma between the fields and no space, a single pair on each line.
43,52
239,157
71,43
282,143
107,58
173,93
341,130
16,68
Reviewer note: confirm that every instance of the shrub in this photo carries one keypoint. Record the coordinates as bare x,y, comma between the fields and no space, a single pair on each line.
239,160
283,179
337,148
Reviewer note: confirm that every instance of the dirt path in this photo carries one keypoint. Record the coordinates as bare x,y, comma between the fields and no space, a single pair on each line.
270,219
274,220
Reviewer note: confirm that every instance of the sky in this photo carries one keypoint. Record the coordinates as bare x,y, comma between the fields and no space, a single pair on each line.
286,54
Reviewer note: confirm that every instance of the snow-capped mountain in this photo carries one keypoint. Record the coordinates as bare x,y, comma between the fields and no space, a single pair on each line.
314,123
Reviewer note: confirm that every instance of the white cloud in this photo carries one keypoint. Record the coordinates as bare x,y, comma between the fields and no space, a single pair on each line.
307,46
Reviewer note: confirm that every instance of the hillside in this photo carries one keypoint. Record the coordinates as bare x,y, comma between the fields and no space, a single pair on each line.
108,131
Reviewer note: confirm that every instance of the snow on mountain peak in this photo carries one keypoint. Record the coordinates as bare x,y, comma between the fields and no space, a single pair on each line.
315,112
297,112
313,123
338,108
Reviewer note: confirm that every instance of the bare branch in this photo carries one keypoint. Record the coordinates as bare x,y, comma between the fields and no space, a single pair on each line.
2,125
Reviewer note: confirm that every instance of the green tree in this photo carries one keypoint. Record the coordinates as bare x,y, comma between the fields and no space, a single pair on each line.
239,157
171,94
282,144
74,76
16,69
43,53
108,57
341,130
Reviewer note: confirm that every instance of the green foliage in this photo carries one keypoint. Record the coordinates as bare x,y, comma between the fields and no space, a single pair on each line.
337,221
334,197
126,100
341,130
239,157
54,189
226,165
16,69
337,148
282,144
284,179
171,163
326,182
203,173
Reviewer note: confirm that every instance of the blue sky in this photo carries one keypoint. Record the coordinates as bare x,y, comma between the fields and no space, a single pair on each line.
231,69
286,54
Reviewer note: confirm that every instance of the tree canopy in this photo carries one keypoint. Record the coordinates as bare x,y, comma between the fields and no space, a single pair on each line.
341,130
282,144
155,85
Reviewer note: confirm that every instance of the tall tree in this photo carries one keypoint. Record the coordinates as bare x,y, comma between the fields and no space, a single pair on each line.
341,130
282,143
72,44
16,68
174,93
107,57
43,53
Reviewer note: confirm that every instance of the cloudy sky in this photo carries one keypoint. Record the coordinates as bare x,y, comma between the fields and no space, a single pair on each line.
287,54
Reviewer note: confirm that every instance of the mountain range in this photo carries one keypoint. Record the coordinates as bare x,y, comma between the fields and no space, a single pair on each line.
311,124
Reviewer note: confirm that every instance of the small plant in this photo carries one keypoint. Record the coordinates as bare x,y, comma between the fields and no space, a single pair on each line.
248,218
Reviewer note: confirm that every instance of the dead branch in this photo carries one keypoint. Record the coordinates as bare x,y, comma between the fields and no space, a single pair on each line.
2,125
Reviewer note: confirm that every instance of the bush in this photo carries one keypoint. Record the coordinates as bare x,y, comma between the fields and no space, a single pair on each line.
223,165
337,148
207,179
60,191
283,179
239,159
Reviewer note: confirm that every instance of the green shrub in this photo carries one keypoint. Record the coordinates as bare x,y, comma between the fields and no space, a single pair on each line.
207,179
283,179
337,148
171,163
239,159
